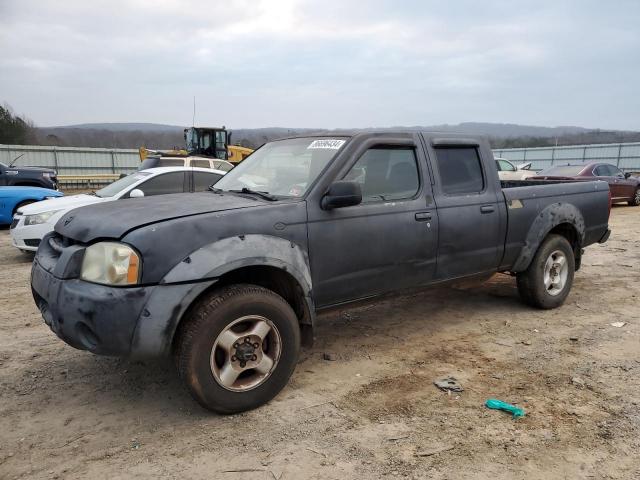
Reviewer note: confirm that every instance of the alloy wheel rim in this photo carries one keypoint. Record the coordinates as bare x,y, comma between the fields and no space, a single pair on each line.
245,353
556,272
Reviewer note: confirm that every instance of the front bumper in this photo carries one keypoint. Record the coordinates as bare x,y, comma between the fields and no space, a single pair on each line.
88,316
27,237
135,322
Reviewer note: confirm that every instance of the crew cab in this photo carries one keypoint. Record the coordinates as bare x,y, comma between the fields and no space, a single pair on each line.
229,281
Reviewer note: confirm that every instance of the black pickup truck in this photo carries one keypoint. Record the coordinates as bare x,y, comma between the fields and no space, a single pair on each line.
229,281
28,176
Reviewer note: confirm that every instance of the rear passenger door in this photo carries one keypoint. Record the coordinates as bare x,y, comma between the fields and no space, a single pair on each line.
470,237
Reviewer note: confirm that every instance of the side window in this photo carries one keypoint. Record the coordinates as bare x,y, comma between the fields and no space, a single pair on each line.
601,171
460,170
505,166
386,174
614,171
202,180
200,163
165,183
170,162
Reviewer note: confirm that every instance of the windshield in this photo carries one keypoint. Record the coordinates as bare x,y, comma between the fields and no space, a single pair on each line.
284,168
119,185
562,171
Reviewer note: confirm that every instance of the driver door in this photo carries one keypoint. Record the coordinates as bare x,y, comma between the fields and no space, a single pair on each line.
387,242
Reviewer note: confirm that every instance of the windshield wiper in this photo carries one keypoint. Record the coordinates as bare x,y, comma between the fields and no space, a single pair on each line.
265,195
214,189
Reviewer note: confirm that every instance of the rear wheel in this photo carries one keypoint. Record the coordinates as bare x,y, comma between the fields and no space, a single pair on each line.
238,348
635,201
547,281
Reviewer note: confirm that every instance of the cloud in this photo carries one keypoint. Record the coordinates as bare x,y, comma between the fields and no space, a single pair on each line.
325,64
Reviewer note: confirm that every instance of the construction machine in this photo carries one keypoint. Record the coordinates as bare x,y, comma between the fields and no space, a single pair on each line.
201,144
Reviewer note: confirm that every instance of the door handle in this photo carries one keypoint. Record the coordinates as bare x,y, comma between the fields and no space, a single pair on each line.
487,209
423,216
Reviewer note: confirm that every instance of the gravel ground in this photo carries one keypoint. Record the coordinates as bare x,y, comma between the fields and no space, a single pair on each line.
373,411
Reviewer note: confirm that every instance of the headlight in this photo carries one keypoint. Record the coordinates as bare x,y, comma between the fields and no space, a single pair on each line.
111,263
39,218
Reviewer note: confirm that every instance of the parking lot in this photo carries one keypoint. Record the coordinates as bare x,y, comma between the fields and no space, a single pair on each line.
370,411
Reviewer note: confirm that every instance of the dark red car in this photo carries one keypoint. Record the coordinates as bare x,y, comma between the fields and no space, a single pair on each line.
623,187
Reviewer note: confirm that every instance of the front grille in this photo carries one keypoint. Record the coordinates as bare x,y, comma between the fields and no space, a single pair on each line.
14,223
32,242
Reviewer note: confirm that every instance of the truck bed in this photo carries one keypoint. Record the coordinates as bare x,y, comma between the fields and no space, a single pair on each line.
587,202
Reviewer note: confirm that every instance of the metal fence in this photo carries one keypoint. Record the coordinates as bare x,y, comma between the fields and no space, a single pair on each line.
625,156
92,161
72,160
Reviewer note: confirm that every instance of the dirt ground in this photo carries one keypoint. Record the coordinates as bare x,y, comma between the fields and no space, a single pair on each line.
373,412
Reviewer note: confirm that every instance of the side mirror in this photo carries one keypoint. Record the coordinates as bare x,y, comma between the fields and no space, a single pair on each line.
136,193
342,194
627,174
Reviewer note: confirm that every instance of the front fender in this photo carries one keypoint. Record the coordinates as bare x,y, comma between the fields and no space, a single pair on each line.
228,254
549,218
200,270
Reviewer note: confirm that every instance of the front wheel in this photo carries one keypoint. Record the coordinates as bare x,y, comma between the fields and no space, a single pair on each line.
547,281
635,201
238,348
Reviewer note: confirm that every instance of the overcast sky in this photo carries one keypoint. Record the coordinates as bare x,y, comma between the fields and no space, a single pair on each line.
329,63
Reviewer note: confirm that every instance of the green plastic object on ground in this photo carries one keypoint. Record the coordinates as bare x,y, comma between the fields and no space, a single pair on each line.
507,407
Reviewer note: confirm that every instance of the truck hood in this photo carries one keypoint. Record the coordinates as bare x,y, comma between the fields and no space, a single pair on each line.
115,219
31,169
62,203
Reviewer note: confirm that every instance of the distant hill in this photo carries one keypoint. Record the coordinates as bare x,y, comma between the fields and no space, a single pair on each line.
122,127
160,136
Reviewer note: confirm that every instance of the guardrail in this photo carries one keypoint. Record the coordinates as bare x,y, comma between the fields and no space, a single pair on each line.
87,181
72,160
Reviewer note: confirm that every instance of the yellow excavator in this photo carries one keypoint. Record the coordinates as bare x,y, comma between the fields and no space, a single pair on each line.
202,144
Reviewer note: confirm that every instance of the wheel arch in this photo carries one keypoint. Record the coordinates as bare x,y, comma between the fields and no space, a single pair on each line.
22,202
559,218
270,262
271,277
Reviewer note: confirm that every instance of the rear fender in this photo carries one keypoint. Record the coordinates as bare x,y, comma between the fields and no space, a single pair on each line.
549,218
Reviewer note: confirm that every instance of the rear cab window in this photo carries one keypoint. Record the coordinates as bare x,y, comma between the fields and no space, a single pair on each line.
460,170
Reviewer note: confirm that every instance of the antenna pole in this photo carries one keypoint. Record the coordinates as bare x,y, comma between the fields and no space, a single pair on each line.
193,122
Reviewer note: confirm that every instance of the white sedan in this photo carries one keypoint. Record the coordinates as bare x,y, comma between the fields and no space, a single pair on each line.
34,221
508,171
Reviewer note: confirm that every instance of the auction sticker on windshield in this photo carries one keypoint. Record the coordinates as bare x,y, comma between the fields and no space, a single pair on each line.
327,143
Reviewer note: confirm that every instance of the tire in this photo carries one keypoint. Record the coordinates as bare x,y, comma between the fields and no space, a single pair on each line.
635,201
203,362
531,283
